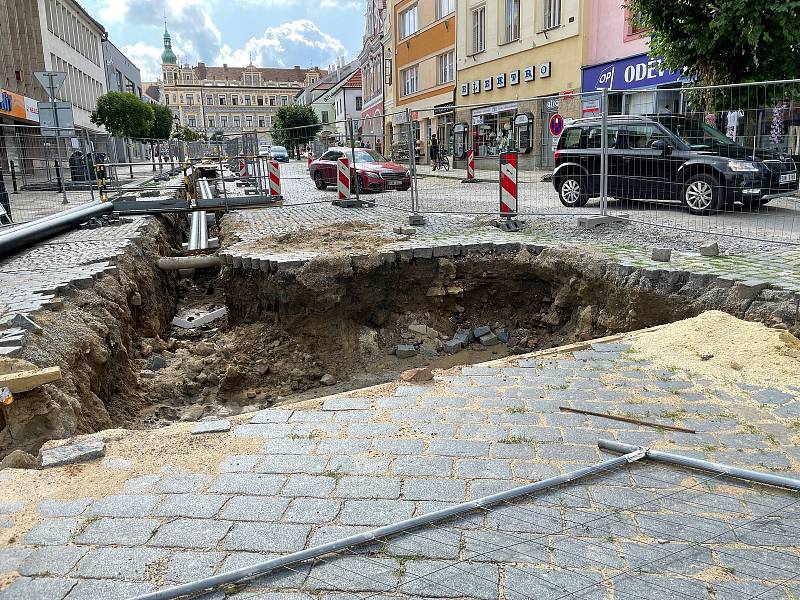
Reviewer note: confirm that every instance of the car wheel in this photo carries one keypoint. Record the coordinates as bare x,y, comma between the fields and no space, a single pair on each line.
319,181
572,191
701,194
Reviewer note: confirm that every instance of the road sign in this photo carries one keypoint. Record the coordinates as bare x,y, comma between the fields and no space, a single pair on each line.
51,81
556,125
55,119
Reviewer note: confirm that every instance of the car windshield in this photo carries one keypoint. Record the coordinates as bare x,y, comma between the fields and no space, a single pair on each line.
368,156
279,149
696,134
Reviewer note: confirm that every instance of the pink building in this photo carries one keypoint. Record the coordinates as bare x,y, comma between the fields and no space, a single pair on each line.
613,33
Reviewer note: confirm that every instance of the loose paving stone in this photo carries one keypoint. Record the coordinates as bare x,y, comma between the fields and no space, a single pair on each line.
92,589
375,512
118,532
334,404
312,510
266,537
198,506
119,563
52,532
122,506
73,453
218,426
271,416
441,579
196,534
255,508
184,567
26,588
51,560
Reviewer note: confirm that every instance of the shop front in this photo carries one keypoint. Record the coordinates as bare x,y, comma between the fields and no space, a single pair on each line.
19,135
492,129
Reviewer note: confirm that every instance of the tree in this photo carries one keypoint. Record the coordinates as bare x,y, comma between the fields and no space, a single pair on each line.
295,126
725,41
123,115
162,123
217,136
186,134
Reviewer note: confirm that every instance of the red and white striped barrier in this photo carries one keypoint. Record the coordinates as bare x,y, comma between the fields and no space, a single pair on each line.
470,165
508,184
343,178
309,159
274,177
243,168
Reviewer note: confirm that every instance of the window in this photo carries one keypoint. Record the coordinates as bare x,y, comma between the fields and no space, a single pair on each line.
595,137
190,99
191,121
249,121
235,100
359,102
551,14
261,100
635,23
512,20
222,100
571,140
236,121
445,67
261,121
224,121
408,22
272,100
247,100
284,100
639,137
410,79
444,8
209,100
324,114
210,121
479,30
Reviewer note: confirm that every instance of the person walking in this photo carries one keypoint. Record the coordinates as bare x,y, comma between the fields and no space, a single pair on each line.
434,152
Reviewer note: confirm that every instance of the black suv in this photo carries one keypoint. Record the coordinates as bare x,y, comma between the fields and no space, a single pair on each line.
668,157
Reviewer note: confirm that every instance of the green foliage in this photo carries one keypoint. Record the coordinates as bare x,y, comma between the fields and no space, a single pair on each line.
162,123
725,41
217,136
295,126
123,115
186,134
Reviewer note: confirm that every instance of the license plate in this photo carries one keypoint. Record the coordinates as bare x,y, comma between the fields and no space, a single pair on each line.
392,183
788,177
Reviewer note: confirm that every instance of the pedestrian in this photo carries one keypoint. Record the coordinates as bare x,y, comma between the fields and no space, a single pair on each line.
434,152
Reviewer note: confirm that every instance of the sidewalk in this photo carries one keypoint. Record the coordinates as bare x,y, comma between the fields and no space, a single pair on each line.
482,175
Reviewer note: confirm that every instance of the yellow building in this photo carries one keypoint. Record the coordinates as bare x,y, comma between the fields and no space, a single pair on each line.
519,62
423,74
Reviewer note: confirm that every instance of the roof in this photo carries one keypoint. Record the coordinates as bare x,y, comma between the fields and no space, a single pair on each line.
268,73
354,81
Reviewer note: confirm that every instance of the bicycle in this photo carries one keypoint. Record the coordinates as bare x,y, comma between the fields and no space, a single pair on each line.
442,163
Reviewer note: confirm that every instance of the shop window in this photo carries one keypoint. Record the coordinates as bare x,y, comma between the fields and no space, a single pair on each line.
551,14
494,133
479,30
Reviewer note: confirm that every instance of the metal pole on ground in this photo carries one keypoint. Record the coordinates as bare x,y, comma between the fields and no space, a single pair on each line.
13,177
354,175
415,218
87,149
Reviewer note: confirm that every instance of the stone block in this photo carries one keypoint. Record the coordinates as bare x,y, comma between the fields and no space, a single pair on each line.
118,532
218,426
661,254
196,534
196,506
73,453
119,563
122,506
52,532
375,512
92,589
25,322
711,249
27,588
255,508
405,350
368,487
266,537
481,331
452,346
490,339
336,404
51,560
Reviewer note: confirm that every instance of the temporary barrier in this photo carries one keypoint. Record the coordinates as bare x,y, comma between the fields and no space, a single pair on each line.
274,178
242,168
508,184
343,179
470,167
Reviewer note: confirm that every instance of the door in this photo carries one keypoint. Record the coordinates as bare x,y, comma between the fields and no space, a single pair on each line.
592,162
645,170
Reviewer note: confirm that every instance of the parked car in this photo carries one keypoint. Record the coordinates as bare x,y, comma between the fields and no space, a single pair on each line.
375,172
279,154
264,149
668,157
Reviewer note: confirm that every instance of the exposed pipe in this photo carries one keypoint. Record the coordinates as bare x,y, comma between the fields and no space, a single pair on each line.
704,465
175,263
27,224
265,567
49,226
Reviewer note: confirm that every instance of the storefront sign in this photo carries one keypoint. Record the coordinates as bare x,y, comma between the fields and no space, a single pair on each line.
493,110
552,104
444,109
529,74
513,77
465,89
476,87
501,80
629,74
18,106
544,70
487,84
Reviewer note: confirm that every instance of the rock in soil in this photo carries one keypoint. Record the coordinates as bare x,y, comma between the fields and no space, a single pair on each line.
405,350
327,379
19,460
73,453
417,375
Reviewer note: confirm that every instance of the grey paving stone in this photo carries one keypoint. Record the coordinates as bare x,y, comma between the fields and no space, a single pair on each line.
255,484
271,415
525,518
344,446
375,512
352,574
433,429
255,508
289,446
92,589
486,487
117,532
735,590
444,543
312,486
312,510
422,465
372,430
73,453
311,416
278,580
9,507
240,463
505,547
196,534
483,469
122,506
530,471
323,535
570,552
571,453
772,396
52,532
368,487
529,582
120,563
217,426
198,506
141,483
501,450
445,447
27,588
333,404
51,560
184,567
434,489
288,463
12,558
267,430
663,587
411,390
441,579
63,508
266,537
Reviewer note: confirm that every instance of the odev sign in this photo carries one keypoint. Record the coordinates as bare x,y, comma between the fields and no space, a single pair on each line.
629,74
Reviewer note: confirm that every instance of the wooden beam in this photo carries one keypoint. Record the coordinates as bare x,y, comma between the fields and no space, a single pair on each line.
25,381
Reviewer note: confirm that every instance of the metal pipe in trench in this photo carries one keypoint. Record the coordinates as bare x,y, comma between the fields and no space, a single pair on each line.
704,465
61,213
176,263
265,567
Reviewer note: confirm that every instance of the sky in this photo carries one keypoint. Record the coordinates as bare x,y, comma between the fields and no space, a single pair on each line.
276,33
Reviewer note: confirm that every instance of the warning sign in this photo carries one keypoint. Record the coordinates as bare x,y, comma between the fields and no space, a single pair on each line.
556,125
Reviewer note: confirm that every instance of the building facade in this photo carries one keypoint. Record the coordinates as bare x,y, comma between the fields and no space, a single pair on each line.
371,62
229,99
519,64
121,74
424,67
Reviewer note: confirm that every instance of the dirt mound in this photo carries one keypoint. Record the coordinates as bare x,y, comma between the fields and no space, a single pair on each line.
351,237
719,345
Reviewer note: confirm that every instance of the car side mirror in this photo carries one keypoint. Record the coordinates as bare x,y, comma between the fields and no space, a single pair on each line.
661,146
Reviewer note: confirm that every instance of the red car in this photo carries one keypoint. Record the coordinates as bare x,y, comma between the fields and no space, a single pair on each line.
375,172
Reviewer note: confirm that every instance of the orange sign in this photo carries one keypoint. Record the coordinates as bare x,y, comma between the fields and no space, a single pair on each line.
18,106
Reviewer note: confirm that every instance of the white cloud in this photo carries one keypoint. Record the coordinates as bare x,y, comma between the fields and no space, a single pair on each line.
146,57
311,5
281,45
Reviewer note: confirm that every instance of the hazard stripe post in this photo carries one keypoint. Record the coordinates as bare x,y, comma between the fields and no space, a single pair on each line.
274,177
509,205
242,167
470,167
343,178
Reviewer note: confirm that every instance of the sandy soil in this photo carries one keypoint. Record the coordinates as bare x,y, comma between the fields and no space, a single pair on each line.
718,345
339,238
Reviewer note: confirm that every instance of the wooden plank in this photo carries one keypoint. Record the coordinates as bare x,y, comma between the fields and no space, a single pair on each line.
25,381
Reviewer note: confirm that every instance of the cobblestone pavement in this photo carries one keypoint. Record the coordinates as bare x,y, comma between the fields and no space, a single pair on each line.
359,461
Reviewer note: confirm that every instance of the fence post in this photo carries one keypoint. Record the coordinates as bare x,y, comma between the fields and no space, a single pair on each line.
13,177
354,174
604,155
5,203
87,148
415,218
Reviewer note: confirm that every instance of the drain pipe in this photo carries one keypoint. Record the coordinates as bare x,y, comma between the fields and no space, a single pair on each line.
260,569
704,465
180,263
